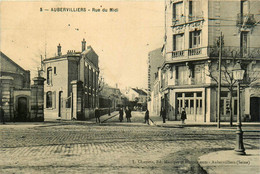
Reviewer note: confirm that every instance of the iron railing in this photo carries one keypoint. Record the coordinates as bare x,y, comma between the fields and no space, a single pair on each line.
213,51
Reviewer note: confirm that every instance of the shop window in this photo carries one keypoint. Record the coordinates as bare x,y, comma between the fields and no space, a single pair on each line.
199,94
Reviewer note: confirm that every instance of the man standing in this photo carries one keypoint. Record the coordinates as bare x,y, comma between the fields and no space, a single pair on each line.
128,114
163,114
2,115
97,115
183,115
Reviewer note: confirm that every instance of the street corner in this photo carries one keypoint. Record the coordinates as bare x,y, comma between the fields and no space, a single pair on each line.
227,162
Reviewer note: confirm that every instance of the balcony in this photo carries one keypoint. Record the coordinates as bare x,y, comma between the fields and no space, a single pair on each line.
245,20
213,51
192,52
235,52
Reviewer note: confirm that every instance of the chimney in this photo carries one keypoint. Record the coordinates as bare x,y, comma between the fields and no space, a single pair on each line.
59,50
83,45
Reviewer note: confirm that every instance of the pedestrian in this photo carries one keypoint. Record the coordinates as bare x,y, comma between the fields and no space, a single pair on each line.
2,115
97,115
163,114
128,114
121,113
183,115
146,117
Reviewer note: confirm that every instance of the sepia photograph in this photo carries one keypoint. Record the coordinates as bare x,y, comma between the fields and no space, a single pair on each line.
130,86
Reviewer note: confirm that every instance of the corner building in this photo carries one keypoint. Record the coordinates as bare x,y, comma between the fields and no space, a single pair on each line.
191,50
71,89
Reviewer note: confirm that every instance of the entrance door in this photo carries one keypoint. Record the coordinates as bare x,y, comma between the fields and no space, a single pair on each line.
60,103
22,109
255,108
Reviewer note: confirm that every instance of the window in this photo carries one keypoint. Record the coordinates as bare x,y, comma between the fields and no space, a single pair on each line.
243,43
178,42
55,72
244,7
49,99
195,39
182,75
195,11
199,74
177,12
49,76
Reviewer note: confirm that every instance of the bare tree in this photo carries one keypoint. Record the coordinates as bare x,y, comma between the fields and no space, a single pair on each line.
227,77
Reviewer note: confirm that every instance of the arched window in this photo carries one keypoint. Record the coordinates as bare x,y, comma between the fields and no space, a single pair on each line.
49,75
49,99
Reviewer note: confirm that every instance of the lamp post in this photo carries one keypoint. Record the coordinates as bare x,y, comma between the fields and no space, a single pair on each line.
238,75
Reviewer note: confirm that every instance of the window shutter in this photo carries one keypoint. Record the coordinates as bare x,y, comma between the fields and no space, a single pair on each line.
190,39
54,99
190,8
174,12
174,42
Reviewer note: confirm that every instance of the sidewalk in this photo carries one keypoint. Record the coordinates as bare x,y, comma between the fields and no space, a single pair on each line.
227,162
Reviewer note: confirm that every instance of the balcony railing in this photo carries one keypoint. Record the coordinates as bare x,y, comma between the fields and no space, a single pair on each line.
213,51
177,53
245,19
194,51
235,52
189,52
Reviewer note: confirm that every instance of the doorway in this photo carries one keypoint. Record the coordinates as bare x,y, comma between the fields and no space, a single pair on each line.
60,103
22,109
255,108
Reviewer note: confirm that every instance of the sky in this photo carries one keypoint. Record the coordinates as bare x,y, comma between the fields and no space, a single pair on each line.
121,38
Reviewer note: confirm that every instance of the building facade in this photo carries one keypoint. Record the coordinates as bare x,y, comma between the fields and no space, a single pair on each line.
71,87
20,100
155,61
189,75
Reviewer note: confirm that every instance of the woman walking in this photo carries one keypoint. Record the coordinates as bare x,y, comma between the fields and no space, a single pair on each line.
183,115
121,113
146,117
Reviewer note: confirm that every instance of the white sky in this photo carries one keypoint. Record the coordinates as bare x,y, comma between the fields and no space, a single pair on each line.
121,39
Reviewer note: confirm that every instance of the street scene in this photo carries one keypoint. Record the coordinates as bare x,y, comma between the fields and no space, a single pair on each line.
114,147
168,86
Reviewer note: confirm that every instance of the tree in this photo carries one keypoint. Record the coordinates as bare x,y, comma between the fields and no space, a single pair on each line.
251,76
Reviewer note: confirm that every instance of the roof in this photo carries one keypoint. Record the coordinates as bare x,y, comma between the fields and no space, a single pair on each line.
139,91
11,61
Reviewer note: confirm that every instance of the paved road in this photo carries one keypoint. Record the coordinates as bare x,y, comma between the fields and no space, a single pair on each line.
112,147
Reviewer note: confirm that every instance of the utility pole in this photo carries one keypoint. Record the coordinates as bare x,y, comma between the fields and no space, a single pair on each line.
219,76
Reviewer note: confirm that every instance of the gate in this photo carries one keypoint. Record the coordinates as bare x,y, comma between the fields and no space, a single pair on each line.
22,109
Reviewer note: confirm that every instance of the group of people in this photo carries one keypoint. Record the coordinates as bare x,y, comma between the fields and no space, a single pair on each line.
127,114
146,116
183,115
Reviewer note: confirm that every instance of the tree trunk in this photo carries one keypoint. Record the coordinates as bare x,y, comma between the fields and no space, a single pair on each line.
231,109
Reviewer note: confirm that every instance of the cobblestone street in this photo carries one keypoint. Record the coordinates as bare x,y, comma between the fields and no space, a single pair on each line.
110,147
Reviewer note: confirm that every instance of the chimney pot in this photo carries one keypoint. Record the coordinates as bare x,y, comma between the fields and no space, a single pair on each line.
83,45
59,50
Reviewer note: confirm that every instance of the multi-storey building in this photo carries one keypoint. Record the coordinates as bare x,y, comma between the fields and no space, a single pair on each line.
192,46
71,89
155,60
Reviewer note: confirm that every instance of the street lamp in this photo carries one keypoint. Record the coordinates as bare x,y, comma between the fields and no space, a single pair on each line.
238,75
